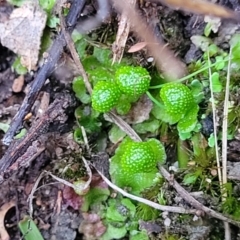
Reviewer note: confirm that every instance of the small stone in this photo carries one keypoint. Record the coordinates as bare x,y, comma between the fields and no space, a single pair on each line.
18,84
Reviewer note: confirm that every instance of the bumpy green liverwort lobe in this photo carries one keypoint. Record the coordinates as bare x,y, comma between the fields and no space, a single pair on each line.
138,157
135,163
105,96
177,98
180,107
133,81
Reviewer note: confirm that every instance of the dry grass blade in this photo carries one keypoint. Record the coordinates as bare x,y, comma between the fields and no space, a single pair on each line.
202,7
165,60
225,124
224,144
112,117
214,124
75,56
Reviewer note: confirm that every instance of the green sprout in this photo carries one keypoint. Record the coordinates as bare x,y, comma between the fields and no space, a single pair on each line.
29,229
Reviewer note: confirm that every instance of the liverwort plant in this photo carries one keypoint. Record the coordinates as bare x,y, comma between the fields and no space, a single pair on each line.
134,164
177,106
128,85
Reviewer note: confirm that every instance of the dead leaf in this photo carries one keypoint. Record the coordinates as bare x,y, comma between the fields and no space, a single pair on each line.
22,32
3,211
137,47
92,226
140,110
214,21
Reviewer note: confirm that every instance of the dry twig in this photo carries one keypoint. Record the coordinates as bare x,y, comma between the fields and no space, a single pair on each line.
191,200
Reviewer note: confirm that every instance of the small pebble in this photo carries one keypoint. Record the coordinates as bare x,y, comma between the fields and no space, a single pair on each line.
18,84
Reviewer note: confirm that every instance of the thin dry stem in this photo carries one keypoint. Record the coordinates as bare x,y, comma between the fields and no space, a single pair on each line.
215,125
121,38
224,145
75,57
191,200
31,195
124,126
147,202
225,124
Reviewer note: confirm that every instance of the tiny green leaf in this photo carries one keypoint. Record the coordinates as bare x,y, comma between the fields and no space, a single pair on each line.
53,21
211,140
114,233
4,127
207,29
47,5
116,134
102,55
29,230
139,236
190,178
217,86
79,88
18,67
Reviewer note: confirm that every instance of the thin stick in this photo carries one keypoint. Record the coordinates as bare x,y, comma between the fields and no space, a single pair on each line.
191,200
31,195
75,56
191,75
214,124
147,202
225,125
224,145
123,126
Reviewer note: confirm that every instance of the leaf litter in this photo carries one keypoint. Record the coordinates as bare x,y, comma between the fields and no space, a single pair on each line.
22,32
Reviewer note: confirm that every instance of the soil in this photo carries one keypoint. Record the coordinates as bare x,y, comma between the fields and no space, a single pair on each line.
55,215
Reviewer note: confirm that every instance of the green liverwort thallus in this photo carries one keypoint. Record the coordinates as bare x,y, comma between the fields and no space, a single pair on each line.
177,98
180,107
135,163
133,81
105,96
129,84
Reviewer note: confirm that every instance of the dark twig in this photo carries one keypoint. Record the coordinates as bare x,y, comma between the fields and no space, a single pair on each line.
53,56
19,148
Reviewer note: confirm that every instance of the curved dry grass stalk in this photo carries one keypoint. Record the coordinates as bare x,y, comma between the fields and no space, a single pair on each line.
148,202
